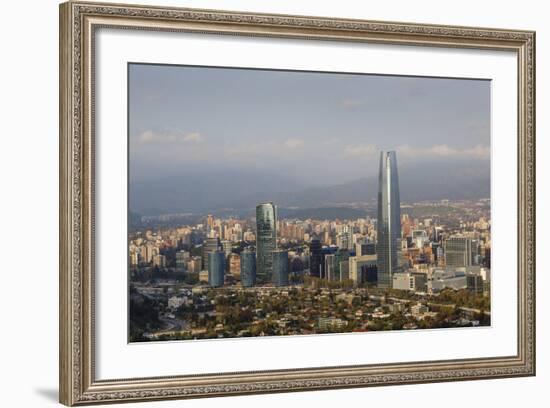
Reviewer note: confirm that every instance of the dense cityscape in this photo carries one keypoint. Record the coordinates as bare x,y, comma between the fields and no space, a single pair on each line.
407,266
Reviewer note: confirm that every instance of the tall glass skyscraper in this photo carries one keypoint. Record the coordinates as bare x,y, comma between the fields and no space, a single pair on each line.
389,219
216,268
266,240
248,267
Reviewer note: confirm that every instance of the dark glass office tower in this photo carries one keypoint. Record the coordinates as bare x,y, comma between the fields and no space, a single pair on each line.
280,267
389,219
248,267
266,240
209,245
216,268
315,258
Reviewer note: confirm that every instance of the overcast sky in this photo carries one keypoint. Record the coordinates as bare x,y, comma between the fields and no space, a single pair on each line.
321,128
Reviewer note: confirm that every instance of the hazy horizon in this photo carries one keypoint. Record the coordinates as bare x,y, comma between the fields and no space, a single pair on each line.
298,130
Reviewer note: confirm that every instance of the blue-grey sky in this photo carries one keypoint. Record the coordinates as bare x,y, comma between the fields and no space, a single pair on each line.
317,128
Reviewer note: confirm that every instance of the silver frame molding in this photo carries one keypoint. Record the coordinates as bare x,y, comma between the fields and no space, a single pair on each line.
78,22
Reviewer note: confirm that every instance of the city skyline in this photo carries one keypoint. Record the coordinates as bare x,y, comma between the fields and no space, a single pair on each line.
270,276
282,203
441,259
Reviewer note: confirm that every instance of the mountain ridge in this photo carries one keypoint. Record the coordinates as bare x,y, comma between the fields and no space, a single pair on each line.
241,191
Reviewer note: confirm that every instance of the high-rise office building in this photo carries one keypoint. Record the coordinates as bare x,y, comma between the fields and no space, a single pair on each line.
344,239
344,270
341,270
389,219
150,252
280,267
266,239
475,252
248,267
359,267
325,252
474,283
458,251
329,267
182,257
297,265
315,258
216,268
487,257
209,245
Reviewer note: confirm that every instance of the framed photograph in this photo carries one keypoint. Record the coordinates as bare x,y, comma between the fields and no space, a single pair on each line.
256,203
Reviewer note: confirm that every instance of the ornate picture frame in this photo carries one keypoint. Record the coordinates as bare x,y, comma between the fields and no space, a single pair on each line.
78,24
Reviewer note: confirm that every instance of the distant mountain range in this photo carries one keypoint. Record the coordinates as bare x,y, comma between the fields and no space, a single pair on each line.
241,191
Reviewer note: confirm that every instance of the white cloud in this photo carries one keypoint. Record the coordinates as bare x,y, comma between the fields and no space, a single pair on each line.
479,151
193,137
360,150
152,137
147,137
293,143
442,150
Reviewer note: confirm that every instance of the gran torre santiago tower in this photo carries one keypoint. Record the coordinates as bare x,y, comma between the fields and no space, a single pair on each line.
389,219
